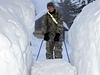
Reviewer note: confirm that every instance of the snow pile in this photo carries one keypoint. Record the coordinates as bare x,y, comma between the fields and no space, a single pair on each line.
36,47
16,28
53,67
84,38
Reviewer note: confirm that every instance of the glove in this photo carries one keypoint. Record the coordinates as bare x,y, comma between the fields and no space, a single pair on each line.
46,36
56,38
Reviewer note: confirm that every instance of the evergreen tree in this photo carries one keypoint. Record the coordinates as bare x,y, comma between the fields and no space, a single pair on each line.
89,1
69,12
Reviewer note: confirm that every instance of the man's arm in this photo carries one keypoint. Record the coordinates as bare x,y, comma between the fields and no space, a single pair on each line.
44,24
60,24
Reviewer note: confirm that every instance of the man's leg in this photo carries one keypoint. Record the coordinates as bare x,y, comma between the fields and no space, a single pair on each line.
49,49
58,50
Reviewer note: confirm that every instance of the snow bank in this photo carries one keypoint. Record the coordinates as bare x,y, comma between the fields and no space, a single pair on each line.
53,67
84,38
16,28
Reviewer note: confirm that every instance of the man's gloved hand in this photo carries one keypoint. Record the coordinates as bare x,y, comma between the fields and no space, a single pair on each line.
46,36
56,38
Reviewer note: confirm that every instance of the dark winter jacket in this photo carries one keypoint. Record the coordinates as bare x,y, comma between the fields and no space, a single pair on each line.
49,26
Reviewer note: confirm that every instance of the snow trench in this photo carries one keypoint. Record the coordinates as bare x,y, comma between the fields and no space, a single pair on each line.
16,28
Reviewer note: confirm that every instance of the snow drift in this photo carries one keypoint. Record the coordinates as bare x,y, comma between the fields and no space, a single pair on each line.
84,38
53,67
16,28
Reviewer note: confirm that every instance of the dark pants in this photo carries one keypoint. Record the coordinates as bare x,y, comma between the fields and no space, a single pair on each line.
53,49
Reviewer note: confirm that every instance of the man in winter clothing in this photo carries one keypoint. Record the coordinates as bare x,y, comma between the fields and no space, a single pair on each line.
52,29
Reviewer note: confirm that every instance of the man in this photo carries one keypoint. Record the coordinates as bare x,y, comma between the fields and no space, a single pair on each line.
52,29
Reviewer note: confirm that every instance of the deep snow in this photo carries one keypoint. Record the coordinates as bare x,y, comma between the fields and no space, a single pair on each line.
53,67
16,28
84,39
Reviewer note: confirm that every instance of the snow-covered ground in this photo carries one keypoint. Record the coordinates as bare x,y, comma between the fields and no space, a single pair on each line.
84,38
16,28
53,67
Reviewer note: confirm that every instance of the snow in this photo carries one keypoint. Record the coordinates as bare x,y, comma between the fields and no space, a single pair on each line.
40,6
84,39
65,25
35,49
16,28
16,54
53,67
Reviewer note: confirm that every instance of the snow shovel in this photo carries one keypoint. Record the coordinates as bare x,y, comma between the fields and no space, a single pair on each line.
39,50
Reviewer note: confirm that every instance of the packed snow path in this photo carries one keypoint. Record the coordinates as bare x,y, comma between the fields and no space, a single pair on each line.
53,67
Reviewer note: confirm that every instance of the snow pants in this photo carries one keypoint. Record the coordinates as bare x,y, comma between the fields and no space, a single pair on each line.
53,49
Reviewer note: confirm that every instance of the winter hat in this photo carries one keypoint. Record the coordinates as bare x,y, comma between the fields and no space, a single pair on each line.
50,4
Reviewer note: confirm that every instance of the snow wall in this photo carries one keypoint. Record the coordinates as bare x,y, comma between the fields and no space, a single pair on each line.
16,28
84,38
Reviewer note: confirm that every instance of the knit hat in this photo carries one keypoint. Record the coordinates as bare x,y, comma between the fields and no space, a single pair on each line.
50,4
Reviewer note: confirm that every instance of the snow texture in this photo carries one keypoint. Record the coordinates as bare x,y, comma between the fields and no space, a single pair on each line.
16,28
53,67
84,38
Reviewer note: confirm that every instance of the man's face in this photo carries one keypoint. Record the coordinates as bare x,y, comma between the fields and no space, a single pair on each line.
51,9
